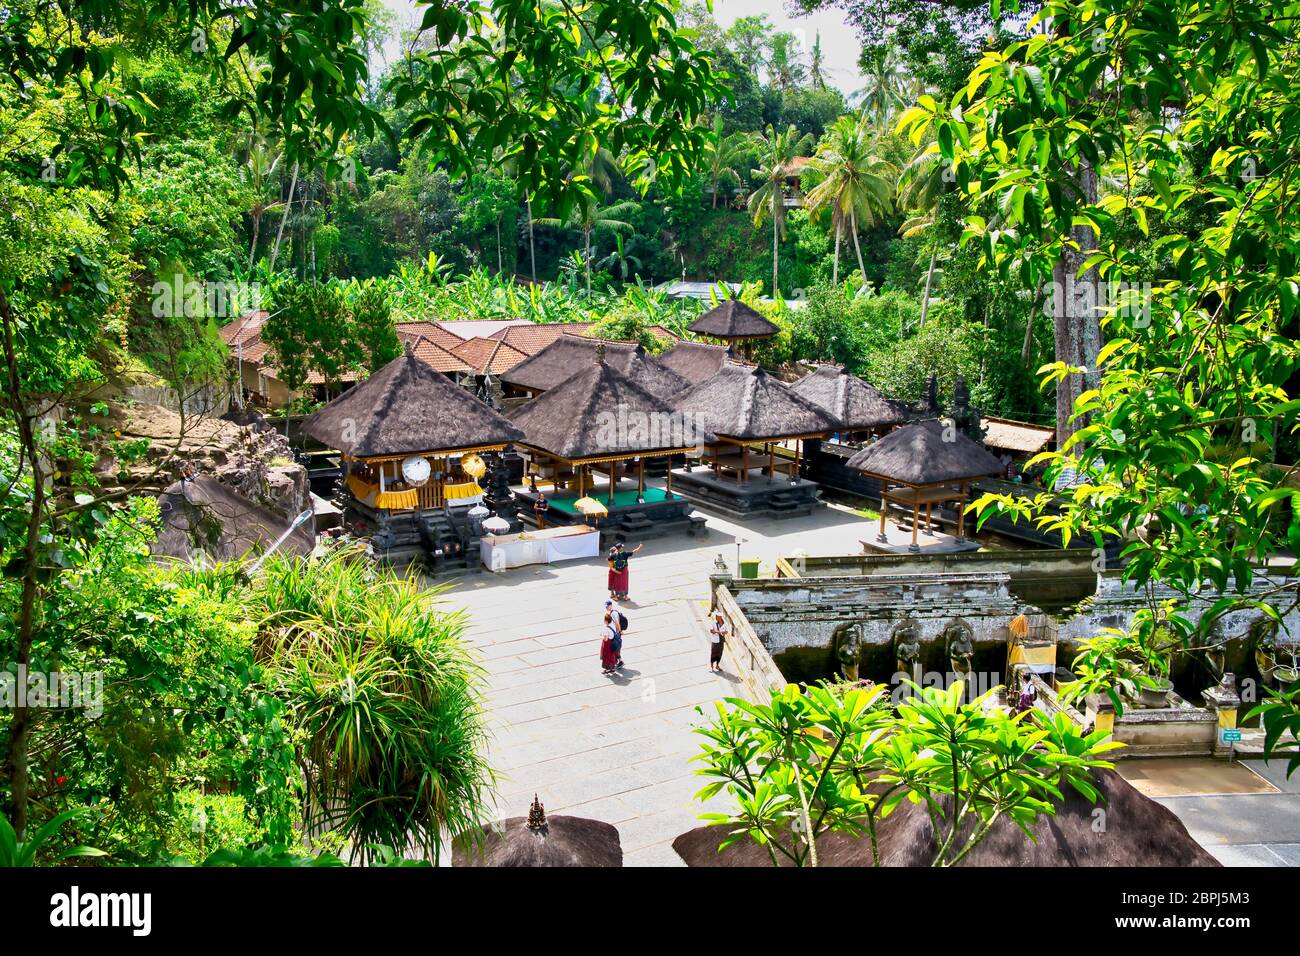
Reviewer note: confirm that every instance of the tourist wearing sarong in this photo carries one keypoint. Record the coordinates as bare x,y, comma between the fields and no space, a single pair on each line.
717,639
540,507
618,572
608,655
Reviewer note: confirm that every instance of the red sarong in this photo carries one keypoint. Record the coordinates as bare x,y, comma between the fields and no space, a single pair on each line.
618,581
608,657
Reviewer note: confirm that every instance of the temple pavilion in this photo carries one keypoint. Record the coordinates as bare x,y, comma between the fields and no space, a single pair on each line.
922,465
589,438
755,424
553,364
734,322
696,361
412,445
858,408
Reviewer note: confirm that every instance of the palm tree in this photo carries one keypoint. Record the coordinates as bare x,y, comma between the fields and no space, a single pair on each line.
260,175
587,217
784,71
854,183
722,156
923,182
776,154
888,87
817,66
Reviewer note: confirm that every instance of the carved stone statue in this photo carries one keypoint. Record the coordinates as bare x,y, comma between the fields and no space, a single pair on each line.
906,638
964,416
958,640
847,641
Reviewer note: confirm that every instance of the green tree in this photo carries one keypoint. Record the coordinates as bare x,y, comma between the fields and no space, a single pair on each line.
852,182
590,218
723,156
1188,396
767,202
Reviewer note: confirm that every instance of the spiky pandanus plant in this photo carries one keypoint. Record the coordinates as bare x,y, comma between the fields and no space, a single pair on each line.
387,699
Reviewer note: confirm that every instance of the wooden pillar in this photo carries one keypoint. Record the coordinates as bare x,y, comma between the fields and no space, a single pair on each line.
716,463
668,492
771,460
613,481
916,519
961,513
929,508
884,508
640,475
798,451
744,462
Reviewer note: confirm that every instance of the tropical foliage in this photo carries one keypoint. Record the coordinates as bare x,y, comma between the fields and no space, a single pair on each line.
820,760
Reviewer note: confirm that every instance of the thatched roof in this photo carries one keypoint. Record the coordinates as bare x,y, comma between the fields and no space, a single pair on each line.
406,408
569,353
563,357
920,454
1023,437
598,411
853,403
696,361
750,404
653,375
733,320
1138,832
565,841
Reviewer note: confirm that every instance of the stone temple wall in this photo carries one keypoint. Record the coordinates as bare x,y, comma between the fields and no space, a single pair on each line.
801,615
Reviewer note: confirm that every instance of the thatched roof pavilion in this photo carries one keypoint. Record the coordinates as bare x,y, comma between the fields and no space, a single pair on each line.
931,462
597,417
1139,832
856,405
406,410
568,353
744,406
538,840
696,361
733,320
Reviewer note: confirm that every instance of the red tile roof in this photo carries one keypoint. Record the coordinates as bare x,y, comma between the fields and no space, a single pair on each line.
488,356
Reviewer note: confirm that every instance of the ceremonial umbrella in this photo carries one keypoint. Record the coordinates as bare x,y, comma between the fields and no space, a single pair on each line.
496,525
590,507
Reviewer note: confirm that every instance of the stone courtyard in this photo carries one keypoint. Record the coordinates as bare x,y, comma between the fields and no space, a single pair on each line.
618,749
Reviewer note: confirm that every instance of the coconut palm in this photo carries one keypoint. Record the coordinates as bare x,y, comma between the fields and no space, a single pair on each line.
888,87
776,155
784,69
588,217
924,180
723,155
852,182
260,174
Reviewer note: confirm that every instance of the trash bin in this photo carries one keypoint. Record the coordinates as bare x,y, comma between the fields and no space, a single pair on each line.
749,568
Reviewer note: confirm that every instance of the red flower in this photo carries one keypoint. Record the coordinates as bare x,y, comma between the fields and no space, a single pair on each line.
60,780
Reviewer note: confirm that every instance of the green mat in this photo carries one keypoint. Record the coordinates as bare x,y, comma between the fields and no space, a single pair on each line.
622,499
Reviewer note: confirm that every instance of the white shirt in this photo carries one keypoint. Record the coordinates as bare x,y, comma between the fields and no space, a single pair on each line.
718,632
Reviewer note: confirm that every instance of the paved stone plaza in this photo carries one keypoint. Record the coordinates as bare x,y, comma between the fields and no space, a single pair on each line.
617,749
